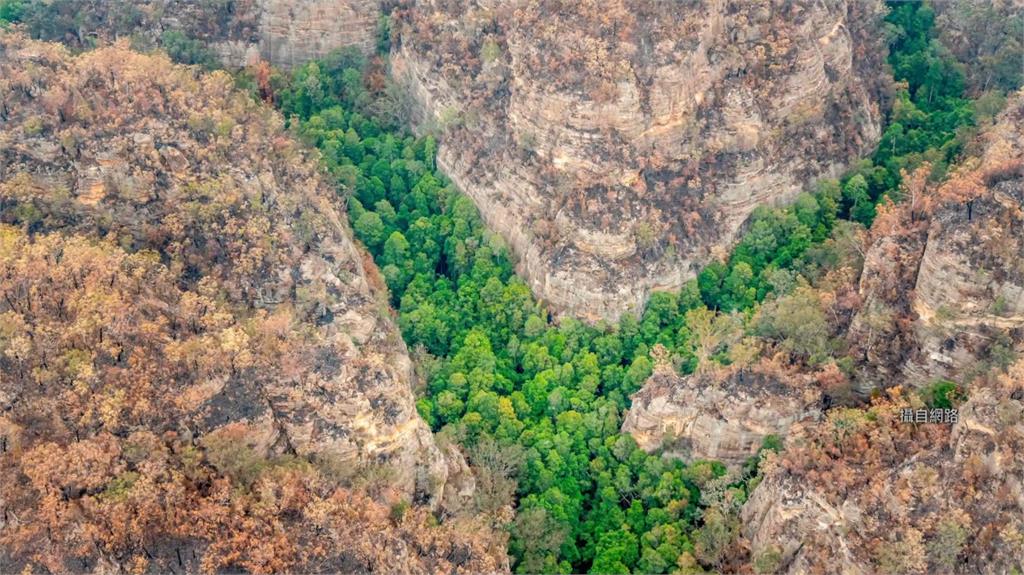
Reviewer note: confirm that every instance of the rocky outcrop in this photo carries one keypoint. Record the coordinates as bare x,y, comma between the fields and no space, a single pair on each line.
719,416
289,330
865,493
289,33
970,286
961,253
787,525
618,146
285,33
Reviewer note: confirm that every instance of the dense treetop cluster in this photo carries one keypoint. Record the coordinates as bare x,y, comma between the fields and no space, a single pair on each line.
120,304
499,375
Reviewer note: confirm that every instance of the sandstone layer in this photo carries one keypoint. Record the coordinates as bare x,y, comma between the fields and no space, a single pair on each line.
959,252
160,160
285,33
289,33
620,146
719,416
865,493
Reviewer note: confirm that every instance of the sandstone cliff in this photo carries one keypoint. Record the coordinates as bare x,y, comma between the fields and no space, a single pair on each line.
960,251
283,32
290,333
865,493
720,416
619,146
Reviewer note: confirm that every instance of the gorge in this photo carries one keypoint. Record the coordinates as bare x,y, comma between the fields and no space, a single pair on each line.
270,318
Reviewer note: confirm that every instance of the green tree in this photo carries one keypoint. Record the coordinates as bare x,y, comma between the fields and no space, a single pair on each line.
502,374
11,10
799,322
617,552
855,194
370,230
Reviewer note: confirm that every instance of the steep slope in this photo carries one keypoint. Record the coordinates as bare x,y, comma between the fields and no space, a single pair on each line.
865,492
283,32
987,33
939,297
618,146
108,465
869,494
942,286
722,416
190,336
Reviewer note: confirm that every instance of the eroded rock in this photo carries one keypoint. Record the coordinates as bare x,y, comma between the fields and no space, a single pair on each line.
863,492
240,215
618,146
960,254
285,33
719,416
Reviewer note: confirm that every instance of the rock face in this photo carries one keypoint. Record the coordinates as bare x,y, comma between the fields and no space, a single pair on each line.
618,146
284,32
963,258
289,32
158,160
724,417
970,287
865,493
783,517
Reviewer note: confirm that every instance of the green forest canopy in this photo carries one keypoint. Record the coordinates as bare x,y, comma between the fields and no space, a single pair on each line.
541,401
546,400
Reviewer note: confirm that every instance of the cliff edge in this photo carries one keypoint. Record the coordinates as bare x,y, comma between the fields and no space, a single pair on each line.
619,146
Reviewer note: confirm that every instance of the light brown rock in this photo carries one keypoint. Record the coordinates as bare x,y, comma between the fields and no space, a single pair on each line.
724,416
617,146
293,32
864,493
241,214
946,292
285,33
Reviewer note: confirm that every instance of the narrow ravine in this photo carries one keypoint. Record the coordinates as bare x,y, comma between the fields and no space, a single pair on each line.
537,405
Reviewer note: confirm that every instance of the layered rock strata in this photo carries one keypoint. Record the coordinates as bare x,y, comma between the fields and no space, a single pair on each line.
285,33
958,251
620,146
719,416
865,493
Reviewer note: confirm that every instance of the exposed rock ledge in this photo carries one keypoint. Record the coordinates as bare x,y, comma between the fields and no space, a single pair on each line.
943,289
864,493
722,416
285,33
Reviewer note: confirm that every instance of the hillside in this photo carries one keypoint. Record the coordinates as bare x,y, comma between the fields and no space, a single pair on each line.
942,288
869,494
196,355
936,323
232,33
990,35
619,147
533,286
